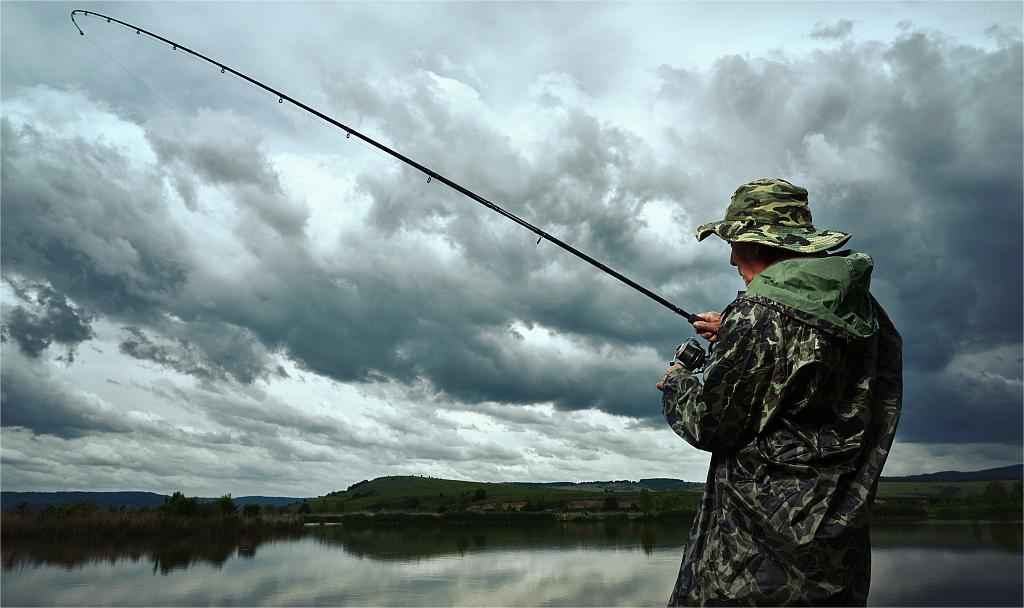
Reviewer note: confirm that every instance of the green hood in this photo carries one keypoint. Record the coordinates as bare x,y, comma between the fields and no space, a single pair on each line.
832,288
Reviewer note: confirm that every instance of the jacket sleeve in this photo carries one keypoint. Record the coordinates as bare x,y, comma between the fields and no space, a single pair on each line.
722,413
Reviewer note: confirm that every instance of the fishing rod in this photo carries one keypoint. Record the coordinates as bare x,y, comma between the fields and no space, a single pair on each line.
430,173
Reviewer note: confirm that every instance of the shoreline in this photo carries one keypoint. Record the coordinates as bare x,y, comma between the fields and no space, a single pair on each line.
135,527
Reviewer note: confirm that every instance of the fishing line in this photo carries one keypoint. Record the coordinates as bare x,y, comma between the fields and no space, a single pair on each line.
430,174
158,97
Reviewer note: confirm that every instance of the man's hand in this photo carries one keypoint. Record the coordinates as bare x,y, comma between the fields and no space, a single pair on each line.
661,383
707,325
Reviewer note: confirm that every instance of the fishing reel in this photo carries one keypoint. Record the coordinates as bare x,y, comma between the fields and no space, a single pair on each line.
691,355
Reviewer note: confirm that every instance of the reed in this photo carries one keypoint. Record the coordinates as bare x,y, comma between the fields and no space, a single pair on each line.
61,524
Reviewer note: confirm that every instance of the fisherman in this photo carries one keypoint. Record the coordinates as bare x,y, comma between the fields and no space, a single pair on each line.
799,403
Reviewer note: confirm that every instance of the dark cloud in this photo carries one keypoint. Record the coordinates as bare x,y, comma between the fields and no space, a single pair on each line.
45,318
33,398
915,148
956,407
840,29
913,145
80,217
456,332
213,351
950,214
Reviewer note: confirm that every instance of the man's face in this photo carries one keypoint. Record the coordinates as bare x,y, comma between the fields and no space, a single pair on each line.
746,267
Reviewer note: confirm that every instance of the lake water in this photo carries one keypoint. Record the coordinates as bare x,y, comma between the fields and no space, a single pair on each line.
598,564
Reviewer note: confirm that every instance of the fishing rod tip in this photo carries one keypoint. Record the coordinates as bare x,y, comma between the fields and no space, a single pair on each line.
75,23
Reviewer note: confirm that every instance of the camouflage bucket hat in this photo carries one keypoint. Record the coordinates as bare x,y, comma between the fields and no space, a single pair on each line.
772,212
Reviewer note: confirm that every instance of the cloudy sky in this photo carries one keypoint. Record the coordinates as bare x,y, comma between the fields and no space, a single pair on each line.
209,291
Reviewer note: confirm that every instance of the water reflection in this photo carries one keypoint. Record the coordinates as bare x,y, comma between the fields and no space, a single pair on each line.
401,543
950,535
610,563
165,555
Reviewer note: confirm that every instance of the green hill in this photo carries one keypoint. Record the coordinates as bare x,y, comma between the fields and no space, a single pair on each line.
430,494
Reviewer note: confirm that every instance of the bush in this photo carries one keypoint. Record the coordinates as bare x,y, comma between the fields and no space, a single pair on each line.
251,511
996,492
178,504
646,501
226,506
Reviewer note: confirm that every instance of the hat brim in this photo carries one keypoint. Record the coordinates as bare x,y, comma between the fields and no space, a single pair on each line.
802,239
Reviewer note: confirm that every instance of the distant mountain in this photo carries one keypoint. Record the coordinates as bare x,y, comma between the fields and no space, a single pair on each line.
130,500
40,500
272,501
1014,472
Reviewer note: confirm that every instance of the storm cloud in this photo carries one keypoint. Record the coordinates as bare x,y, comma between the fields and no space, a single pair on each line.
45,317
221,237
35,399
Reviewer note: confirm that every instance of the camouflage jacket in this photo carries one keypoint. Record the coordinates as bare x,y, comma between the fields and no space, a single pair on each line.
798,407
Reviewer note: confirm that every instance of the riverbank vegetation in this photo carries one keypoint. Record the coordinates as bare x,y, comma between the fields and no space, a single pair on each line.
424,501
178,517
